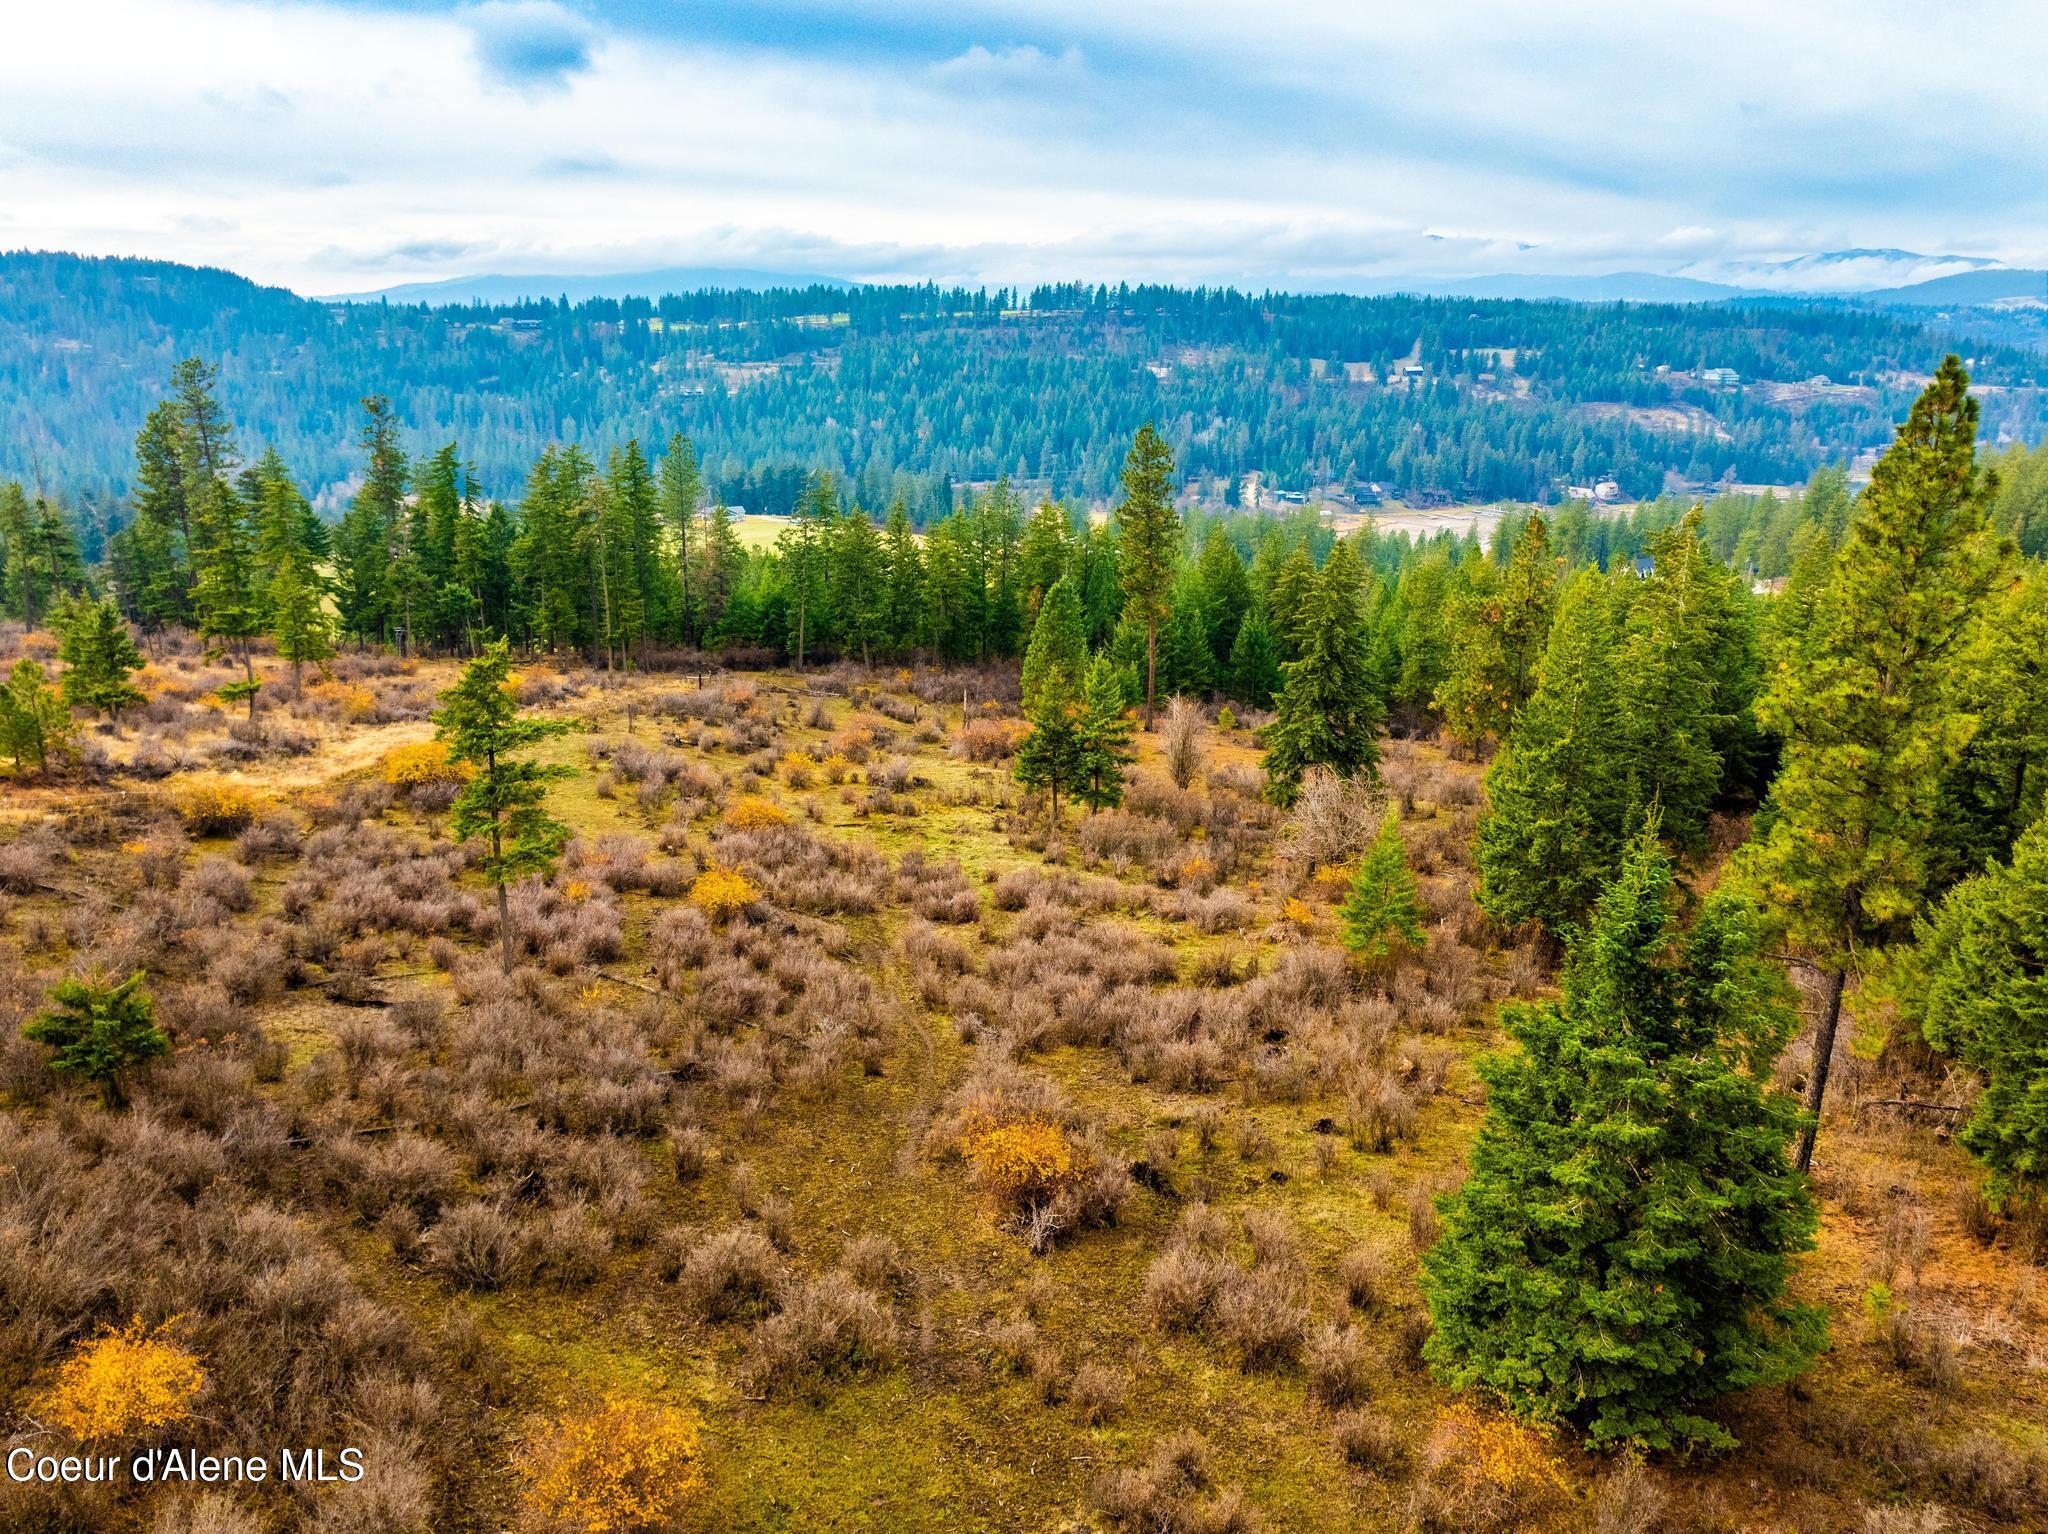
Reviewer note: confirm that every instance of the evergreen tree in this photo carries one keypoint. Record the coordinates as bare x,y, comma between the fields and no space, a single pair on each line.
158,540
1053,755
1254,674
505,800
297,587
1223,594
1327,713
1617,1257
1994,791
99,659
802,546
35,724
1291,604
904,611
724,559
1981,961
1148,545
1056,665
860,583
1107,732
1042,558
682,489
1415,644
100,1033
1382,904
1866,712
1497,635
1558,805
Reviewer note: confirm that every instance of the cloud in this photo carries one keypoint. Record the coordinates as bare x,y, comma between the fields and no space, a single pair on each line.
1013,140
529,45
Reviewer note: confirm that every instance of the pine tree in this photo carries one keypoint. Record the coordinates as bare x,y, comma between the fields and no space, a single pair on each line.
296,588
1686,675
1617,1257
682,489
1042,558
1254,673
159,539
100,1033
1106,738
1980,962
226,601
904,610
1416,644
860,590
1327,713
1382,905
803,550
1223,593
1866,711
1053,756
505,800
1558,804
724,559
35,723
1497,629
99,659
1994,792
1148,546
1291,604
1056,665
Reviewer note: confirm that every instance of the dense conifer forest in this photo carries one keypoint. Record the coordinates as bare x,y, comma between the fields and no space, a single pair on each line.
904,391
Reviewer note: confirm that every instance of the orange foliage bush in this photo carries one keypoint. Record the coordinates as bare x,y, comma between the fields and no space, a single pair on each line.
124,1380
422,763
624,1466
722,892
1025,1161
755,812
356,704
210,807
1485,1472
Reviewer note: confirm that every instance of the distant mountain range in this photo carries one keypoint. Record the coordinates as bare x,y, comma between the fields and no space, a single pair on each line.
512,288
1888,277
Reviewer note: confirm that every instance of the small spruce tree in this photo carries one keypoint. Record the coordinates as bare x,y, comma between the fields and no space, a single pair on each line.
1106,735
481,724
1328,713
99,658
99,1032
1382,906
1618,1256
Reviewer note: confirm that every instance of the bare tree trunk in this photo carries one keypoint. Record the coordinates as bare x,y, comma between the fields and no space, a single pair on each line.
505,928
1151,668
1817,1077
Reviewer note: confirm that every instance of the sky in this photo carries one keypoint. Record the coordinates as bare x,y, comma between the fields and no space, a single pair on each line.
334,146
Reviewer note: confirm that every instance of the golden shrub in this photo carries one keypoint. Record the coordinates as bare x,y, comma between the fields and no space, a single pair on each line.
422,763
795,768
354,702
124,1380
576,889
755,812
213,807
1482,1471
1024,1161
1298,912
624,1466
722,892
836,768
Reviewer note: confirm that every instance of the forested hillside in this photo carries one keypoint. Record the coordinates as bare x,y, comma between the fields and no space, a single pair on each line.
901,389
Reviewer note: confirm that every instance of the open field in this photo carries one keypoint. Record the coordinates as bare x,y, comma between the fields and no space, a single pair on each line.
397,1200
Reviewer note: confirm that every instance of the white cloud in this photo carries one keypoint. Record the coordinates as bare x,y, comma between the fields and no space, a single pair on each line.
1020,139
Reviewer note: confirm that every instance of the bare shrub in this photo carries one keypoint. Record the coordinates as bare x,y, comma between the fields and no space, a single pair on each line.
731,1275
1180,739
476,1246
1097,1394
1334,818
1336,1359
1370,1442
1174,1493
1629,1500
831,1329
